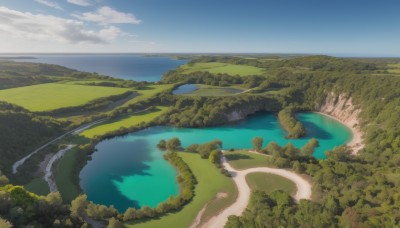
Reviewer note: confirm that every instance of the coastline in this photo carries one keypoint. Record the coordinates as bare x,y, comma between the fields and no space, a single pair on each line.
356,143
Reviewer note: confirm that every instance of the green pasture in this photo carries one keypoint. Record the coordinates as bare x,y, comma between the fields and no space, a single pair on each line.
38,186
242,159
210,182
223,68
268,183
125,121
51,96
394,68
208,90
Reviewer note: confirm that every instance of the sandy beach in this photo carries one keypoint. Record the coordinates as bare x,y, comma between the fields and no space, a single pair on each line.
356,142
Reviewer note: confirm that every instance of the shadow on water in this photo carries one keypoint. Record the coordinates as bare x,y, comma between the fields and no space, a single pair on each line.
233,157
114,160
315,131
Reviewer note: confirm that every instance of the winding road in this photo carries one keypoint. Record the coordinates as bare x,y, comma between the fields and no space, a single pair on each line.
239,177
48,176
74,131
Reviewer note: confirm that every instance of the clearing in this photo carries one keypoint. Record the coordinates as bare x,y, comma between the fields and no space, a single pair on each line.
268,183
242,159
208,90
125,121
223,68
52,96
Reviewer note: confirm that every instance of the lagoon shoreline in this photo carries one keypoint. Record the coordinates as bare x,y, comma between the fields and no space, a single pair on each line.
356,143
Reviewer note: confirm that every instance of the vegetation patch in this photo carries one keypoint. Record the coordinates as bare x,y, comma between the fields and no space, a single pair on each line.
124,122
38,186
208,90
242,159
294,128
51,96
268,183
223,68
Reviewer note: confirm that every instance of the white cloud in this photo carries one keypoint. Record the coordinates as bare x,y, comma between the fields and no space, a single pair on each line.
50,4
28,26
79,2
106,15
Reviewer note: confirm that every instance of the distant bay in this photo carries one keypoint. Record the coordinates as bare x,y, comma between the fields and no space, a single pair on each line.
126,66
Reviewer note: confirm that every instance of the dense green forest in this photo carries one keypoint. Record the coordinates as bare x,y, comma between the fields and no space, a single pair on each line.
349,191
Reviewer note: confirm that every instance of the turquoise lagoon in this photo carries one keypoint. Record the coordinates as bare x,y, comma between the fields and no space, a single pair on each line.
130,171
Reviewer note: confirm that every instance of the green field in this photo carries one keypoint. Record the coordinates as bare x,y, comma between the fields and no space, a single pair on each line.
223,68
127,121
268,183
242,159
63,176
208,90
38,186
148,92
394,68
51,96
210,182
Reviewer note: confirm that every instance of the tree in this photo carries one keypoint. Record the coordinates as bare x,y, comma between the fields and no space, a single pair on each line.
162,145
78,206
173,144
214,156
5,224
114,223
257,143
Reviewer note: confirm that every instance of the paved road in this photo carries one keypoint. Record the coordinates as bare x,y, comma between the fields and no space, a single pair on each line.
74,131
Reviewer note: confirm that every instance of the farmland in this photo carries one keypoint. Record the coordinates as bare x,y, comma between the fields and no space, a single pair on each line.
52,96
223,68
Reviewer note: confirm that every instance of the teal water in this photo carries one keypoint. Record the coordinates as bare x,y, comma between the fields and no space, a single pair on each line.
130,171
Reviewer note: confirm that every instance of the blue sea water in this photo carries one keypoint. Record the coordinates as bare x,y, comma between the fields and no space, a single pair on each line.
126,66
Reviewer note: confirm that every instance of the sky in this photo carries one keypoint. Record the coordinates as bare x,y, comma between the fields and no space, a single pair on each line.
335,27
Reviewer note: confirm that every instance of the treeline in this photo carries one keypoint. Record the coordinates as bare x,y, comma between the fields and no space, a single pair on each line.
313,63
294,128
208,111
21,133
277,209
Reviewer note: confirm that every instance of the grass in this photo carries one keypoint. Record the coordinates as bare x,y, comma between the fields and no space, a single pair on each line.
394,68
208,90
38,186
210,182
148,93
242,159
126,121
268,183
223,68
51,96
63,176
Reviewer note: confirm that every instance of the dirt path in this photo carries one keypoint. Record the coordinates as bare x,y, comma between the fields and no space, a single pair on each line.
239,177
74,131
48,176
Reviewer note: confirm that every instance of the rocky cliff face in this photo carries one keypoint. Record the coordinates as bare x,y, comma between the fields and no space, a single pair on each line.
341,107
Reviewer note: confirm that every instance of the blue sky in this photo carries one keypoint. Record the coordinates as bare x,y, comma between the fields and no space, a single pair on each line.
336,27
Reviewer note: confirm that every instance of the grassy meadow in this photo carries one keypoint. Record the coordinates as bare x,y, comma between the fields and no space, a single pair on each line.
210,182
209,90
268,183
394,68
126,121
223,68
38,186
52,96
242,159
